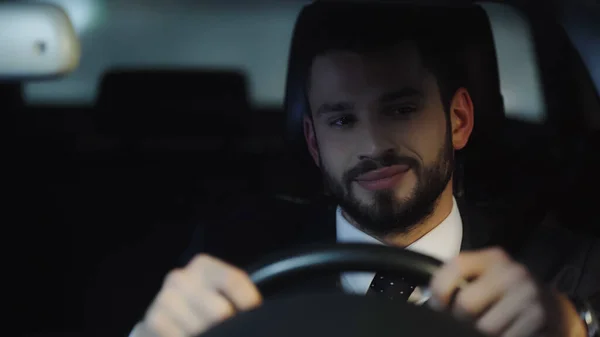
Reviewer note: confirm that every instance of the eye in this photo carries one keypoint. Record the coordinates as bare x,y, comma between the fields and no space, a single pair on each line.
343,121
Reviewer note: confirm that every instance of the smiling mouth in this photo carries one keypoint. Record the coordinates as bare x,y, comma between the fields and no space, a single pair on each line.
383,178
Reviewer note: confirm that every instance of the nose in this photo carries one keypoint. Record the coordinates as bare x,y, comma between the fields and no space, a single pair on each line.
374,141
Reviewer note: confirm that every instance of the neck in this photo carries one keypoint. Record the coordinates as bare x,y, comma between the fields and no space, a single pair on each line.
443,207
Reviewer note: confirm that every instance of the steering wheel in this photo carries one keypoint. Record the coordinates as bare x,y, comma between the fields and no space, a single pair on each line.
334,314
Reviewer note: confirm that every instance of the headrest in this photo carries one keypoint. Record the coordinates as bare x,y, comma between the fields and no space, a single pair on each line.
11,94
188,89
471,55
171,102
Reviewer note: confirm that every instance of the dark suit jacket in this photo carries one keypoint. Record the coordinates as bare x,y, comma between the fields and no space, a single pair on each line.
244,235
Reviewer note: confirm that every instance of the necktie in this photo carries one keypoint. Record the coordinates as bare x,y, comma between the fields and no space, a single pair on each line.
391,287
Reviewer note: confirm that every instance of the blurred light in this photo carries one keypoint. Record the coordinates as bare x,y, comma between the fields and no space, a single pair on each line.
83,13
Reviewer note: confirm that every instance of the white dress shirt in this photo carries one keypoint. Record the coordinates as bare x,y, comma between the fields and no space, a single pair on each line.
443,243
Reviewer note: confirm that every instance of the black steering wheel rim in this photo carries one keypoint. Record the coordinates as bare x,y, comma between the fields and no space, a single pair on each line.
316,315
318,259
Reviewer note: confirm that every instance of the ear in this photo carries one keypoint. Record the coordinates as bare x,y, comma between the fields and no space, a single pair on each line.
462,118
311,139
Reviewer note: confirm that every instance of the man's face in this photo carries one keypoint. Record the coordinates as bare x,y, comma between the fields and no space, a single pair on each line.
383,141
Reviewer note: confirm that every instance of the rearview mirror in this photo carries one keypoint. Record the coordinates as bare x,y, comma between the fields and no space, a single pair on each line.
37,41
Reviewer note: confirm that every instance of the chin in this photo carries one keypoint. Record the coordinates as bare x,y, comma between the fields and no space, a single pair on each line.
402,196
400,193
388,197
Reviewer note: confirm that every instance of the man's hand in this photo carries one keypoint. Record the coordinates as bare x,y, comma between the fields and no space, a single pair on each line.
192,299
501,297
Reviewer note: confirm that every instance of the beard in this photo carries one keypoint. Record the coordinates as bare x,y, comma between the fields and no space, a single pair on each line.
387,214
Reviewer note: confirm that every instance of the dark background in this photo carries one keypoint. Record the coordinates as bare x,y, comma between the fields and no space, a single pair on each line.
174,114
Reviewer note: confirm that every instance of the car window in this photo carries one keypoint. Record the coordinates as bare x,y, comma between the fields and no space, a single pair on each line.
252,38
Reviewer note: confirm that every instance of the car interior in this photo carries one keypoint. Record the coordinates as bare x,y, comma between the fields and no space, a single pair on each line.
105,189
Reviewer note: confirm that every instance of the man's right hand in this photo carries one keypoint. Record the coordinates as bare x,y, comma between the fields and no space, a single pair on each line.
205,292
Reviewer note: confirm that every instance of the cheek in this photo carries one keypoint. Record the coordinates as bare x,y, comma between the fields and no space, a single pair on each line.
336,156
426,137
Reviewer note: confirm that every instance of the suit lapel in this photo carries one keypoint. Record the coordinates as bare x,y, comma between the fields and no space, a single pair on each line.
477,229
487,226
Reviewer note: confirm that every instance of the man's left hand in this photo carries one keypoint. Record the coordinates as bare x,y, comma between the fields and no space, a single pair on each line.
502,298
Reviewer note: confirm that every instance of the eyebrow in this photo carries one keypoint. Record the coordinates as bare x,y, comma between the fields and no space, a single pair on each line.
334,107
385,98
403,93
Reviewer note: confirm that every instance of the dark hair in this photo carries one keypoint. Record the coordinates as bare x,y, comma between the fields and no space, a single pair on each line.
372,27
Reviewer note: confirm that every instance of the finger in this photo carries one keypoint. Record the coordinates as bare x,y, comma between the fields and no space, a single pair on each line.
160,323
239,289
213,308
476,297
466,266
501,315
199,295
207,305
529,323
179,311
232,282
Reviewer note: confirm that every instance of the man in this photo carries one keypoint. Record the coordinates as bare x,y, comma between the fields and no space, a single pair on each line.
384,123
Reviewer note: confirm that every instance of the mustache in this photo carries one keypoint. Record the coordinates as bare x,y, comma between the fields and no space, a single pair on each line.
371,164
